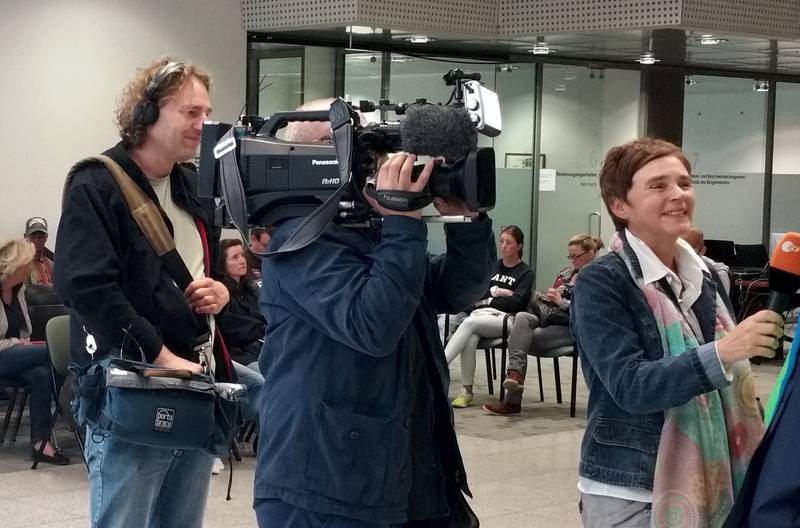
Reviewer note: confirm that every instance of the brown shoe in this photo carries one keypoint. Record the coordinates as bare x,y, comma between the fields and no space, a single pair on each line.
502,408
513,381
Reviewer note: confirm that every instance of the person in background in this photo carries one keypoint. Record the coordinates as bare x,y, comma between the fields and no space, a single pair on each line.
19,358
509,290
695,238
672,415
41,273
259,240
581,250
241,324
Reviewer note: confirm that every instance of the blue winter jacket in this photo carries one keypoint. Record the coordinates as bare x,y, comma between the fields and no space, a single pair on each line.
354,411
630,381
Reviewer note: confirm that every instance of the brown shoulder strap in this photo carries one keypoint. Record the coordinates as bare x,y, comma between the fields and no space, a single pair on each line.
144,212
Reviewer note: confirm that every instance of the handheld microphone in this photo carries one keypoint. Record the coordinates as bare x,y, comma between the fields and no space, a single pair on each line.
784,272
434,130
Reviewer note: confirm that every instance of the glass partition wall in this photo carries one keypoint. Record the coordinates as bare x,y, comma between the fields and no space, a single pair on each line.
724,137
786,160
584,112
566,117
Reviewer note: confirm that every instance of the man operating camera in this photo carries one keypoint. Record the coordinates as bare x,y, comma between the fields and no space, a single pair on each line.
356,430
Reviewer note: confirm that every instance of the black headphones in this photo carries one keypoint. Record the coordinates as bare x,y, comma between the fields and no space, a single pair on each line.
146,112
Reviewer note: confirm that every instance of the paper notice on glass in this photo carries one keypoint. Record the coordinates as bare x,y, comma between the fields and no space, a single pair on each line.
547,179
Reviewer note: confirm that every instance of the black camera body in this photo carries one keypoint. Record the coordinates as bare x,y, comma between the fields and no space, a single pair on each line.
280,179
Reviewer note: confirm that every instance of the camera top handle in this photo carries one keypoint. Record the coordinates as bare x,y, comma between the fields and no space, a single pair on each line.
279,120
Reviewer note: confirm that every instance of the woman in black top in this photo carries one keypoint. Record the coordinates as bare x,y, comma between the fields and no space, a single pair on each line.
21,360
509,289
241,323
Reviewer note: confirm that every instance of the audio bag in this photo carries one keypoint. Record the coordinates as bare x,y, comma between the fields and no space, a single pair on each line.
156,407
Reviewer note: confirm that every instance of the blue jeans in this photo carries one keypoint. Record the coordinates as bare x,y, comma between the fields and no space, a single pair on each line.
250,377
30,364
148,487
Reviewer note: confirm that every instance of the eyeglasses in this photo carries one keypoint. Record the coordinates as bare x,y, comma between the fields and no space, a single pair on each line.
575,257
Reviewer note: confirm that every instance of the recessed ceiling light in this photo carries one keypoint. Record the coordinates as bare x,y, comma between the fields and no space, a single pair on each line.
569,77
419,39
647,59
401,59
541,48
561,88
710,40
760,86
360,30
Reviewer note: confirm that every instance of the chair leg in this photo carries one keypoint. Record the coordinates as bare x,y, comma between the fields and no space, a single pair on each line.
494,365
539,371
20,409
574,385
489,371
502,373
557,372
12,401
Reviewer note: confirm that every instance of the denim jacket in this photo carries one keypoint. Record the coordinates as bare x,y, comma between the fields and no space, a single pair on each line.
631,383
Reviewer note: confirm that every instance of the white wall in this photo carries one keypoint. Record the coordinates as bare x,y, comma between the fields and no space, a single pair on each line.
62,65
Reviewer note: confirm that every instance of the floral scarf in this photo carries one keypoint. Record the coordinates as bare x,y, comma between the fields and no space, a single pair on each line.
706,443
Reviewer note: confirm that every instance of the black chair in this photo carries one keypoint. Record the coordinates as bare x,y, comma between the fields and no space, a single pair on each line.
750,256
17,399
721,250
555,342
43,303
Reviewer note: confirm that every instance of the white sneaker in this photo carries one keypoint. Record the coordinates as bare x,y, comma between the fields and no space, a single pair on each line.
218,466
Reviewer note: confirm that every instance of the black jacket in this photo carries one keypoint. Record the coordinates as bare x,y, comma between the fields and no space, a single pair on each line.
109,275
242,323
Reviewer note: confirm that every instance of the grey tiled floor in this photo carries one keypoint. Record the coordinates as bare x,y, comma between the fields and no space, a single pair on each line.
522,470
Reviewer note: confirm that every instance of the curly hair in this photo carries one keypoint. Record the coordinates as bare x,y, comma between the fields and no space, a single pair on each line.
135,93
15,254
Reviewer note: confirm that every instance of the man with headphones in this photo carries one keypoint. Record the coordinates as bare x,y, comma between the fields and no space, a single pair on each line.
125,301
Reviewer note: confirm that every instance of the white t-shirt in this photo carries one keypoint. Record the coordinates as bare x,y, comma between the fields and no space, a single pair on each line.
187,237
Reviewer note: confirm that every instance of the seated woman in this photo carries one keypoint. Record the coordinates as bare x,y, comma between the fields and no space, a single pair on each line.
672,415
19,358
581,251
241,323
509,289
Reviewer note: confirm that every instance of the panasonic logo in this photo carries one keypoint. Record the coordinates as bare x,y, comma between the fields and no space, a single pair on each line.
330,181
324,162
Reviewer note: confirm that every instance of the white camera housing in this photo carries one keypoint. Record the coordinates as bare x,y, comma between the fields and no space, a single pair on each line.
483,107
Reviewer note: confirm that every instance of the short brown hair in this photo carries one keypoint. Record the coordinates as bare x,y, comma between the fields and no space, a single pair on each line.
623,161
133,132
